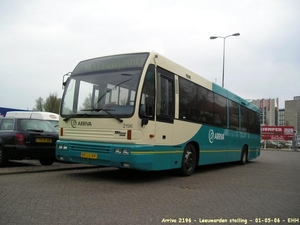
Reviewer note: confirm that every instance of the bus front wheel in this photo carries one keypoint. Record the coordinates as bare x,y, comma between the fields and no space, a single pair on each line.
189,160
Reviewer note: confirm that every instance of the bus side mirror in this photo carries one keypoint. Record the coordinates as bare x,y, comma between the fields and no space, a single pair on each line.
144,121
147,114
65,80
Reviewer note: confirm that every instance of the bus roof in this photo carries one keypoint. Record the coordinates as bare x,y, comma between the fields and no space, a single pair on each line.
196,78
156,58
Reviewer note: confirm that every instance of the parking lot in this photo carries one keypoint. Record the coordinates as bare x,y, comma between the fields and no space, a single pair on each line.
264,191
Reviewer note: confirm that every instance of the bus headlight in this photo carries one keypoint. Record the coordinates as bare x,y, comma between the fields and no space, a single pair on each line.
121,151
125,151
118,151
62,147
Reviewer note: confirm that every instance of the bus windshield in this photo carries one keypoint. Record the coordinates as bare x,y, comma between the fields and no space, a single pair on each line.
103,87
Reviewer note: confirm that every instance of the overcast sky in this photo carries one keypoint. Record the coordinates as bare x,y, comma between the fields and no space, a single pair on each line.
41,40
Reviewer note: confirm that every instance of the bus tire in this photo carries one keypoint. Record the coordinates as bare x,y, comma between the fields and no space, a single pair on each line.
244,156
189,160
3,159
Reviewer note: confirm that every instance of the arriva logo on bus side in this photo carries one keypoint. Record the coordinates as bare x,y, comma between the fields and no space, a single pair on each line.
215,136
74,123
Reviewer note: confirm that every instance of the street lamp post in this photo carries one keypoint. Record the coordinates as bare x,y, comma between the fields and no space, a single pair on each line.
214,37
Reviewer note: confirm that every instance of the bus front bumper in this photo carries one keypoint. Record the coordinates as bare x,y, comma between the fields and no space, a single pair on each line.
102,154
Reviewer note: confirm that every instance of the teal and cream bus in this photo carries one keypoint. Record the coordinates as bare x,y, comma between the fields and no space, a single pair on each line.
142,111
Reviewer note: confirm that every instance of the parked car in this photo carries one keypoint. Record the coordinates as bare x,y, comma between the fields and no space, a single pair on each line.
49,116
270,144
287,144
26,138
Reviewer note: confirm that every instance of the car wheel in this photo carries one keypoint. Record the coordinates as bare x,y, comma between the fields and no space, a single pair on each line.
189,160
3,159
46,161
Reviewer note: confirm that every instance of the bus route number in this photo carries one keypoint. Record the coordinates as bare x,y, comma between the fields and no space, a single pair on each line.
127,125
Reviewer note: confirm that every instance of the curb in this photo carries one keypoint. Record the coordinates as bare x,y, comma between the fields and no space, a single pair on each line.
39,169
282,150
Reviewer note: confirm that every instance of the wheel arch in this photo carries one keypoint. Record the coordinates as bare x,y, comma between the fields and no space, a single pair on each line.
246,148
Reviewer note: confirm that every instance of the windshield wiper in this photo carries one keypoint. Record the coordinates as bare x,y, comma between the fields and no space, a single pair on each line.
122,82
112,115
105,110
35,130
74,115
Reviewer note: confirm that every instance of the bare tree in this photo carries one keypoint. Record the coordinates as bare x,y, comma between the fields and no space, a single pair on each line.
87,102
39,104
52,103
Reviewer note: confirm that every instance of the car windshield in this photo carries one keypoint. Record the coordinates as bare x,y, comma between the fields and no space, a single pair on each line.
103,87
35,125
55,124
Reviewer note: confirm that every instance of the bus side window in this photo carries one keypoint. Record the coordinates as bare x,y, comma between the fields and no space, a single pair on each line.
234,115
165,99
147,104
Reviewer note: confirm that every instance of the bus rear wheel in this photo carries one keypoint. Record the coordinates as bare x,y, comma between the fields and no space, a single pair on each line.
244,156
189,160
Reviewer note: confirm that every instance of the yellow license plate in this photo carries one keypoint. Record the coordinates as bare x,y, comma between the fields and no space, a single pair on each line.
88,155
43,140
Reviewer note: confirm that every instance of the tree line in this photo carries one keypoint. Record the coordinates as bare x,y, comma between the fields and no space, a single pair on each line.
51,104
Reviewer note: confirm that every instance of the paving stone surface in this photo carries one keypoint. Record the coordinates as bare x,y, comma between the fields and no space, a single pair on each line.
264,191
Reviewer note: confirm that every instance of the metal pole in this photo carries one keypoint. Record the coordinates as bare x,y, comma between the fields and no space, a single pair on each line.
223,62
214,37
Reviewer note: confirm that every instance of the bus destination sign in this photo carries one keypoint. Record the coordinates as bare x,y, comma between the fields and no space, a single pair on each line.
112,63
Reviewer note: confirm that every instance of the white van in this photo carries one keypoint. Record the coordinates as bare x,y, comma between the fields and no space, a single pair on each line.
53,118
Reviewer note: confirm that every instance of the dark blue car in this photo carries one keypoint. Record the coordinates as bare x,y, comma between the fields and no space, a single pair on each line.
25,138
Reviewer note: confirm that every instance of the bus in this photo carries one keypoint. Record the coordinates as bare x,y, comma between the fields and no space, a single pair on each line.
143,111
